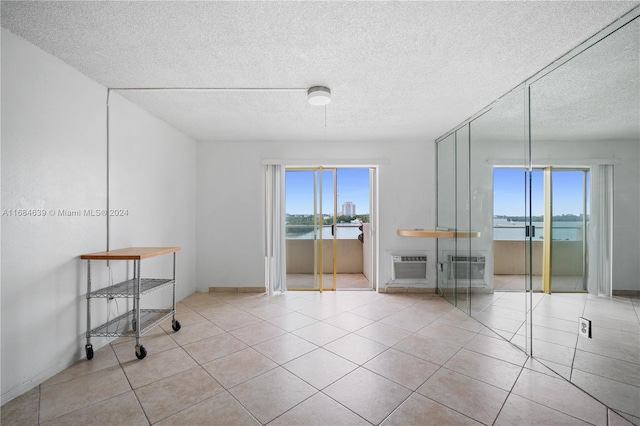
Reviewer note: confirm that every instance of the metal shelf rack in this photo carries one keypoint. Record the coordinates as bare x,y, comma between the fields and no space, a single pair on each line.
137,321
127,288
124,324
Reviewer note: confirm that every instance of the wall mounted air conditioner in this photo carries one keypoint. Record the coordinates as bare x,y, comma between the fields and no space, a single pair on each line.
411,267
467,268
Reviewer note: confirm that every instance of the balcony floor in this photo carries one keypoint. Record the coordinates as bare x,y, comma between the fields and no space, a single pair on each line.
344,281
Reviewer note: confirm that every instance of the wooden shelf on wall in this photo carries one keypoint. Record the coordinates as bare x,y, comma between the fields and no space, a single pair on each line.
434,233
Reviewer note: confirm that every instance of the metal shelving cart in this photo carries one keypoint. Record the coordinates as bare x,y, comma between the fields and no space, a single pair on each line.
135,322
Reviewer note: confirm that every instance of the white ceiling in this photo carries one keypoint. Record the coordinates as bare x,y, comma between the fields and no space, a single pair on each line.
595,96
397,70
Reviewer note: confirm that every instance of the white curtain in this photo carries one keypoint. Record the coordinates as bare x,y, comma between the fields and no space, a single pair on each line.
275,259
601,256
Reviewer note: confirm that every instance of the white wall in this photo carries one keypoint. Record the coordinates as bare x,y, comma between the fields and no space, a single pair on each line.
231,180
53,145
54,158
153,178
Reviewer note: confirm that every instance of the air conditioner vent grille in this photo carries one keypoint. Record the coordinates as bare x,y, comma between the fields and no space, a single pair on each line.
467,268
413,258
467,259
409,267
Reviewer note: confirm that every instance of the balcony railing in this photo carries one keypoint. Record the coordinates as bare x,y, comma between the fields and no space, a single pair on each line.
344,231
521,232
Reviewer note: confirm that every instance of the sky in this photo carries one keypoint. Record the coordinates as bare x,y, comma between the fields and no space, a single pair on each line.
509,192
353,185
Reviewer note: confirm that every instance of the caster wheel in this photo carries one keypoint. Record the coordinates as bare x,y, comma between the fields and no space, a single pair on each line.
176,325
89,350
141,352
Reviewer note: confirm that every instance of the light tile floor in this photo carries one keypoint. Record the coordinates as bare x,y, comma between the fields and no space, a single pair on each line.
607,365
351,357
518,282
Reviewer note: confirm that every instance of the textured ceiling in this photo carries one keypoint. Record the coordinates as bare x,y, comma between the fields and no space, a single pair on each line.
397,70
595,96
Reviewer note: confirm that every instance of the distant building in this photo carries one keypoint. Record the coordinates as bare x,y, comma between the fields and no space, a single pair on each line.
348,209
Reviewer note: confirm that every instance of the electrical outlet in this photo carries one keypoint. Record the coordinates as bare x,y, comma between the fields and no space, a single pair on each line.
584,327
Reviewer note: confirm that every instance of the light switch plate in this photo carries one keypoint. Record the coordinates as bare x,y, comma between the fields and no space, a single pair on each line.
584,327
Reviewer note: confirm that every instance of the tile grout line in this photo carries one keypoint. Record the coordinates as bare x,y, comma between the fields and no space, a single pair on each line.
224,389
510,392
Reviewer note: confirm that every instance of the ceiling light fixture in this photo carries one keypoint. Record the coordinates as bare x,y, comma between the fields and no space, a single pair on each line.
319,95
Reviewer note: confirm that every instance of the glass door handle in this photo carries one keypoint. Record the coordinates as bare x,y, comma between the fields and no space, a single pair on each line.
530,231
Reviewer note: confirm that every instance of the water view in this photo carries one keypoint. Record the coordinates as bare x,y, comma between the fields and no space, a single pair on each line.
516,231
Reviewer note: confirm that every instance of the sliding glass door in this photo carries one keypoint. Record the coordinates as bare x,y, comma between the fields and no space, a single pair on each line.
311,214
569,224
556,225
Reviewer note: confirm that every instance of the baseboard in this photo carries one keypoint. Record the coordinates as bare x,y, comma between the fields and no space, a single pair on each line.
237,290
35,381
49,373
627,293
410,290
